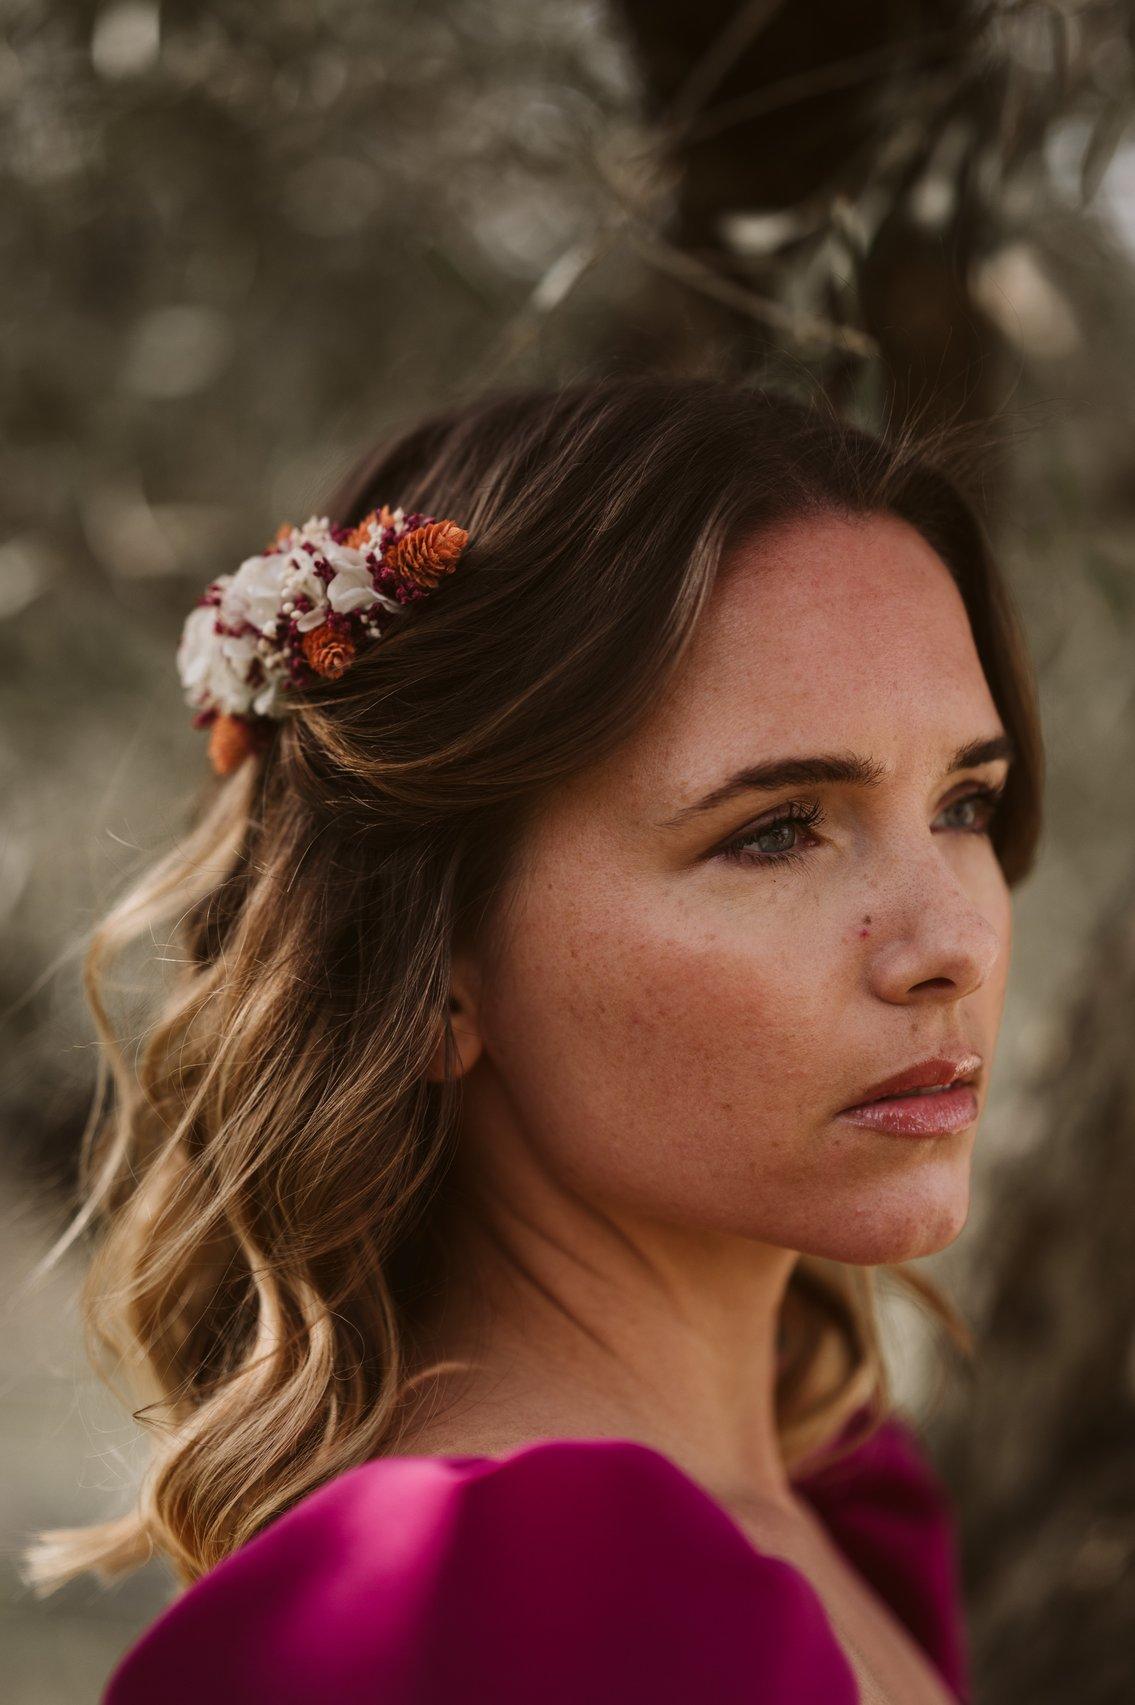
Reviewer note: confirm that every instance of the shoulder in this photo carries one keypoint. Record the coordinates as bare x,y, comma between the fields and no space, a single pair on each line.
570,1569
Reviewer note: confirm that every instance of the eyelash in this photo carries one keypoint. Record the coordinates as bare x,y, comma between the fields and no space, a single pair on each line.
811,814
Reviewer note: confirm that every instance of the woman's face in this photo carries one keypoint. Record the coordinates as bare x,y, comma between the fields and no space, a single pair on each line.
669,1028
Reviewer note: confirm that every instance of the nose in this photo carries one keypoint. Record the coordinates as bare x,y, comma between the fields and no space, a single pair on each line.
933,939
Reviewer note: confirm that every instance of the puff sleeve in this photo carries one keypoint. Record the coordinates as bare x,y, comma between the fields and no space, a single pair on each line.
570,1570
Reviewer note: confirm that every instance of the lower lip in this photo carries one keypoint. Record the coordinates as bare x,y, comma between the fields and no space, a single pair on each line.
918,1115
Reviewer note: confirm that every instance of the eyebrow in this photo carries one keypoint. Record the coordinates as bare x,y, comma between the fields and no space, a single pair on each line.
828,768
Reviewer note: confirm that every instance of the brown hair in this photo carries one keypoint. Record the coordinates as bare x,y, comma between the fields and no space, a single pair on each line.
267,1176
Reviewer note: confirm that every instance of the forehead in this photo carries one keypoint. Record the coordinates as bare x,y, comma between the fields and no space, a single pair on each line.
828,631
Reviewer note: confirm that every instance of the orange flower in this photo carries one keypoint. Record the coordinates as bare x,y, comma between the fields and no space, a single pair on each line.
423,555
357,537
327,651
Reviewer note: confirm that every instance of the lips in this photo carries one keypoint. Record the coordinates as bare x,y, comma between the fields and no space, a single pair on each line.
960,1066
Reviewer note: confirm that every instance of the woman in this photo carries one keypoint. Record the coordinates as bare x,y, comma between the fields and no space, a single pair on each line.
592,975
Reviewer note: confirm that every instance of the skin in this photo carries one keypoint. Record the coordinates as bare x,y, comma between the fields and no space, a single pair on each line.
655,1043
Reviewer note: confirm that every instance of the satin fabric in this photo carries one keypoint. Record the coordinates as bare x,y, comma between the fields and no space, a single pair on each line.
589,1571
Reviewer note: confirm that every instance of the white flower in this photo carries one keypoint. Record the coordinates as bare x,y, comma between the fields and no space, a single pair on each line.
268,700
351,588
195,650
214,667
316,530
262,584
229,683
308,619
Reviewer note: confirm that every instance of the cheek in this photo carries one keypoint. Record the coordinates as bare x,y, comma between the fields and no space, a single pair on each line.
655,1054
992,897
997,904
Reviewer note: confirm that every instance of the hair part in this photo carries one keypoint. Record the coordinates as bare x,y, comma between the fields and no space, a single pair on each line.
267,1178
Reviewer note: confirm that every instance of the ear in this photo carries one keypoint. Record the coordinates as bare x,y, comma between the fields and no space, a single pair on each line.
464,1016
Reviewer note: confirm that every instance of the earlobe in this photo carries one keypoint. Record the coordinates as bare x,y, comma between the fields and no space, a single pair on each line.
463,1019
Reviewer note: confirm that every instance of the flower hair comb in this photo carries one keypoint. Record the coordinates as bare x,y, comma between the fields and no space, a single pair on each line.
298,613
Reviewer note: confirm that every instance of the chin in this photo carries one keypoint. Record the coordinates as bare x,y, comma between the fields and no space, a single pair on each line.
883,1232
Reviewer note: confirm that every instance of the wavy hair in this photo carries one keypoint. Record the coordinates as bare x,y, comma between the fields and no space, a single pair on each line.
263,1185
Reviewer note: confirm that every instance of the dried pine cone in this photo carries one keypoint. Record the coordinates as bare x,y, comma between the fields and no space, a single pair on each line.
231,740
328,651
423,555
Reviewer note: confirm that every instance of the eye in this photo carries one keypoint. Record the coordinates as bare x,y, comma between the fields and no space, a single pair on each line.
980,805
789,818
986,800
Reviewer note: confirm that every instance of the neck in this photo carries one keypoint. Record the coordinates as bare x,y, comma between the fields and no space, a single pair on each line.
569,1319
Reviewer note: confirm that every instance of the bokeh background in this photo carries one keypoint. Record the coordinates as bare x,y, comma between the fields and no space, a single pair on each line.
241,240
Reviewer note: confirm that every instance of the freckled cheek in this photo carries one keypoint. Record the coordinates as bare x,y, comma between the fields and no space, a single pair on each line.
639,1017
1002,917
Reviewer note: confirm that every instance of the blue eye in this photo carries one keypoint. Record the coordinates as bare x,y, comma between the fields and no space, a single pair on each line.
984,802
796,814
791,816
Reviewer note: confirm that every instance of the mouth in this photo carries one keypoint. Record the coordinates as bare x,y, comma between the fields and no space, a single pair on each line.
931,1098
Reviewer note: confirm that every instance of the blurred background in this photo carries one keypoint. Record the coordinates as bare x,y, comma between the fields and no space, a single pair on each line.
242,240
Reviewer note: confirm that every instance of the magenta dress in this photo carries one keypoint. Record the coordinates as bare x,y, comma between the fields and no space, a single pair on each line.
569,1572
